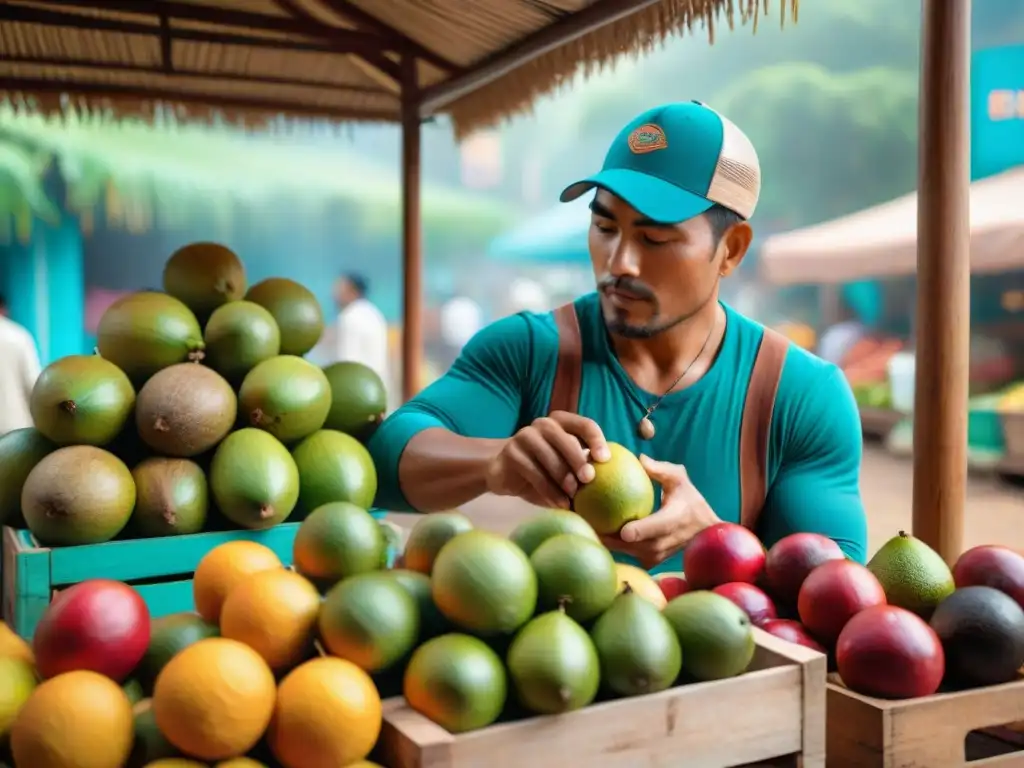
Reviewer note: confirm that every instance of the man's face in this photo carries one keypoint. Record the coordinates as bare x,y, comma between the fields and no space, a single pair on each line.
344,293
653,276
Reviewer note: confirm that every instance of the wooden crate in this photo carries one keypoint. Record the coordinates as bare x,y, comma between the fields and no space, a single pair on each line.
963,728
772,715
159,569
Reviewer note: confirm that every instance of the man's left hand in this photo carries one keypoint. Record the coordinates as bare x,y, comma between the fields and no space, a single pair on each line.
683,514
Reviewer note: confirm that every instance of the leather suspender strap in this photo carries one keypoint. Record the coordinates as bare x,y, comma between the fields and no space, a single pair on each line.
565,393
756,424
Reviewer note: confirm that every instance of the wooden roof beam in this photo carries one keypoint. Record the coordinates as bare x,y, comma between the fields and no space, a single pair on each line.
361,18
348,42
190,74
600,14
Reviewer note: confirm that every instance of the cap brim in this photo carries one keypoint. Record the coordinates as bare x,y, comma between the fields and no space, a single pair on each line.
656,199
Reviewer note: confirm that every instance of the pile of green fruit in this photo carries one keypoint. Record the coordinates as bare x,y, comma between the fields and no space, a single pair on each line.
475,627
197,412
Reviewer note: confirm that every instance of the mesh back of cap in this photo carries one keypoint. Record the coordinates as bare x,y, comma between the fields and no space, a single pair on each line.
736,184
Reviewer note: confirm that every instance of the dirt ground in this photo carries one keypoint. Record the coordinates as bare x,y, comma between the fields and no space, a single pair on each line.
995,510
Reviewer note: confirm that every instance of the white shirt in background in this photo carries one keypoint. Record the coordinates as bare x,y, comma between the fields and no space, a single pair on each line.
461,318
19,369
361,336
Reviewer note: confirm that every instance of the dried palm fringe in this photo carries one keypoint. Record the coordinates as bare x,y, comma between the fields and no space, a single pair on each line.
637,34
513,94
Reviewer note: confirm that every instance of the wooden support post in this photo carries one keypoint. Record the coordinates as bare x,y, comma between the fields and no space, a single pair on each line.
412,236
943,277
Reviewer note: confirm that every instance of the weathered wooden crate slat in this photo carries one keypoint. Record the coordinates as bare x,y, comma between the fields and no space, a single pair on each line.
865,732
772,715
31,572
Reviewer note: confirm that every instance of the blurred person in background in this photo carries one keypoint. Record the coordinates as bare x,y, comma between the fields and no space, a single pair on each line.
527,295
19,370
360,332
460,319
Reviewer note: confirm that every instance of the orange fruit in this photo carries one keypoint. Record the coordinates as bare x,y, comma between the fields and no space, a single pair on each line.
274,613
328,714
214,699
174,762
242,762
642,584
13,647
78,718
223,568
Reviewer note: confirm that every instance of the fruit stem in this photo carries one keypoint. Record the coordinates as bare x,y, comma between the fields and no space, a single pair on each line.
256,417
169,517
626,589
266,511
903,534
69,406
563,601
565,695
196,356
160,424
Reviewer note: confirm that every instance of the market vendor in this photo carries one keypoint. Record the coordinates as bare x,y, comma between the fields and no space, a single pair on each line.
732,422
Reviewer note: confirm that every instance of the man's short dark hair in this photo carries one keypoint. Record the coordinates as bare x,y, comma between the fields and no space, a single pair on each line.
721,218
359,283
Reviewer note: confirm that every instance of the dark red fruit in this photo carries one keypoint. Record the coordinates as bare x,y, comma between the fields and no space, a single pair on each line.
832,594
755,603
98,625
890,653
992,566
791,559
722,553
792,631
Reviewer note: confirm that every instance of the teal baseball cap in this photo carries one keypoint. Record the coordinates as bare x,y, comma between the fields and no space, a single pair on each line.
675,162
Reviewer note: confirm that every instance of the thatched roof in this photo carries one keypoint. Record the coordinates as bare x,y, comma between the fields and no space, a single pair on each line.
478,60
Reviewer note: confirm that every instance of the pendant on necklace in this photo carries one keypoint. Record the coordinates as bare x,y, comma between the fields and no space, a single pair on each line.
646,428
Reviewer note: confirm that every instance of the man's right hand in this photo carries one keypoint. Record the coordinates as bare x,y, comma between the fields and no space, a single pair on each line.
546,462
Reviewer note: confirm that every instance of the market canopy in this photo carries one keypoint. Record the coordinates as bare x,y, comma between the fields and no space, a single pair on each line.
337,59
556,236
882,241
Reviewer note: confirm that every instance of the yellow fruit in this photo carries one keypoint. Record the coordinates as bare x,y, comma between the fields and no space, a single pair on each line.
174,762
241,762
225,567
214,699
274,613
17,681
75,720
620,492
328,714
12,646
642,584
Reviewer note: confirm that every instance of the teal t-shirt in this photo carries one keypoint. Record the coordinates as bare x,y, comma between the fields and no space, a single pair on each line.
503,380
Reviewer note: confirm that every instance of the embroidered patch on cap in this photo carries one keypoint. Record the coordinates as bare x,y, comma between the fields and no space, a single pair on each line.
647,138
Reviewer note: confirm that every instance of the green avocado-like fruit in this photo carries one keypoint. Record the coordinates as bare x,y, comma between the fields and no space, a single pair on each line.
171,497
913,575
254,482
287,396
204,276
370,620
457,681
81,400
334,466
20,451
144,332
575,573
359,399
638,648
484,584
295,309
533,532
553,665
239,336
338,540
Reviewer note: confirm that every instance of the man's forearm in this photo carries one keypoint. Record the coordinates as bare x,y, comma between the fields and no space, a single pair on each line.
440,470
